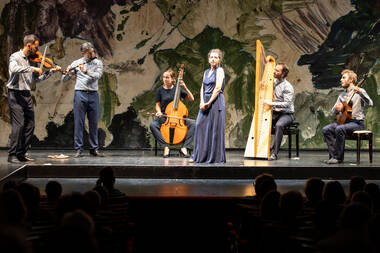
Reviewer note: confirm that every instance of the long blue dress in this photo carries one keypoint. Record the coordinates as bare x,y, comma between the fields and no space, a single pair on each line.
209,142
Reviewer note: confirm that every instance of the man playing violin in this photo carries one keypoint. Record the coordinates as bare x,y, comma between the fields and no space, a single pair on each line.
334,134
88,71
21,77
164,95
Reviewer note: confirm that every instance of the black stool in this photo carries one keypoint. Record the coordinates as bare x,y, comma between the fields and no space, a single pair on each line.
289,131
362,135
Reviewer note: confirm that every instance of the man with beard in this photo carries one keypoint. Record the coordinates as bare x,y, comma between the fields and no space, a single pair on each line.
21,77
282,106
88,70
334,134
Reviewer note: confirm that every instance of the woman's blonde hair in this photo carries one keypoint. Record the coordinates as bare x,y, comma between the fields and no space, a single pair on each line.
219,52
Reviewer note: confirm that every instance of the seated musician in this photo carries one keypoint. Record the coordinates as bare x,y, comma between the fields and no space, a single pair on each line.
282,106
334,134
164,95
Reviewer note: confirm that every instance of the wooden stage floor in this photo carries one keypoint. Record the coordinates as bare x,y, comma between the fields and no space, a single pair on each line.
140,173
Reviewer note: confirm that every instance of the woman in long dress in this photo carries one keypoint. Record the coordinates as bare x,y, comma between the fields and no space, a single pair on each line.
209,142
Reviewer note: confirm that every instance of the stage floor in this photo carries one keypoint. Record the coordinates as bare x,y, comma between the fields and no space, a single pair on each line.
140,173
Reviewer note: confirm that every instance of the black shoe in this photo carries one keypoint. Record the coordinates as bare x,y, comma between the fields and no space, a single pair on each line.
95,152
183,154
78,154
13,159
23,158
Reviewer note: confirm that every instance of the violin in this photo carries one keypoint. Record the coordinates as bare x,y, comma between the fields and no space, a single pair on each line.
174,129
37,57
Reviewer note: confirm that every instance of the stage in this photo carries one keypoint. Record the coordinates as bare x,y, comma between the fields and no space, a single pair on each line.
140,173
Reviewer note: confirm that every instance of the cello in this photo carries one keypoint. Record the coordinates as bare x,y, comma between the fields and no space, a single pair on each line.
174,129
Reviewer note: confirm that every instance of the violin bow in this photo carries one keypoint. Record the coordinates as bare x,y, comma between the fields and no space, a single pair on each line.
43,58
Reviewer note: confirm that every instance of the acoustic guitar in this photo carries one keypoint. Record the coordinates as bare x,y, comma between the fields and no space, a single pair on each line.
345,115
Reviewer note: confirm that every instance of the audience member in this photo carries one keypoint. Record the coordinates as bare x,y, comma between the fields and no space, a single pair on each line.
353,236
362,197
374,192
107,179
356,184
263,184
270,206
313,191
53,190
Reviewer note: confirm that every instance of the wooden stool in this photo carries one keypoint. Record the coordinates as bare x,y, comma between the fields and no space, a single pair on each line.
362,135
289,131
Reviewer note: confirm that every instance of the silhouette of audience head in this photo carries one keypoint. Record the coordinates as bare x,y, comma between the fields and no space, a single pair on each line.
77,233
53,190
313,190
356,184
263,184
270,206
291,204
333,192
9,185
107,178
12,208
31,196
13,240
374,191
355,216
362,197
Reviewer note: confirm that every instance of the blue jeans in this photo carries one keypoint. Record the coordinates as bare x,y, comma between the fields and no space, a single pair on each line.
86,102
334,136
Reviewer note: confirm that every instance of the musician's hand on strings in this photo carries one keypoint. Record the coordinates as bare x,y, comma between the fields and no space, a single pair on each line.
339,107
68,69
357,90
267,102
158,114
38,70
57,68
81,67
182,84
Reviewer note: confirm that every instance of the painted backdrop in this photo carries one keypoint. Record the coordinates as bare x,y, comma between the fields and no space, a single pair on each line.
137,40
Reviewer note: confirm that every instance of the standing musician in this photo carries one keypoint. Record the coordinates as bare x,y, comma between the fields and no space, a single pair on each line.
21,77
282,106
88,70
164,95
334,134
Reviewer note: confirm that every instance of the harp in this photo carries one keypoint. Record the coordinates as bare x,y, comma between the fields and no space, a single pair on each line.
258,143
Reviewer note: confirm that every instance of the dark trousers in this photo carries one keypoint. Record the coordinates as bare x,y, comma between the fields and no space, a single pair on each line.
280,121
86,102
335,135
155,127
22,121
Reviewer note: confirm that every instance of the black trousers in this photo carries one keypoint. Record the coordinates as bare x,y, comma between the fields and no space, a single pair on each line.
22,121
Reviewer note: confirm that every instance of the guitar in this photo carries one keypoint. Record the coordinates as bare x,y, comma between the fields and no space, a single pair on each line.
345,115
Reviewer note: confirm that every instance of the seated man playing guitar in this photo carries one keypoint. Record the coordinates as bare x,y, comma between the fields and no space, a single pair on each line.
349,109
